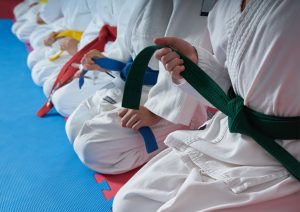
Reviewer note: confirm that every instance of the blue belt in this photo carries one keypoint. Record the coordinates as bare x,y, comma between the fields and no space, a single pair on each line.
149,79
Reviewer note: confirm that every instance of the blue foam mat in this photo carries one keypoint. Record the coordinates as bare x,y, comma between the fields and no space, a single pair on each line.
38,169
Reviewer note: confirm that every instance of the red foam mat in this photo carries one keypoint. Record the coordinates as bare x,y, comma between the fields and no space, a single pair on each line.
115,182
6,8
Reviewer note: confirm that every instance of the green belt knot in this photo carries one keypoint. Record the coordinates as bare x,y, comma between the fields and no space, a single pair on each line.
237,117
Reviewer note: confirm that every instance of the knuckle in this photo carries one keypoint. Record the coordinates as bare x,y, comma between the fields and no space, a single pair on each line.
167,66
163,59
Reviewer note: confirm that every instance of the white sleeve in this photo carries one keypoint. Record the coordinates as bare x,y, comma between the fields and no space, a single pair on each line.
58,25
167,100
51,11
118,50
90,33
32,1
211,66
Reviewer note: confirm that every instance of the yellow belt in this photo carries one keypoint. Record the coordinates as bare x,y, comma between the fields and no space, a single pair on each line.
76,35
43,1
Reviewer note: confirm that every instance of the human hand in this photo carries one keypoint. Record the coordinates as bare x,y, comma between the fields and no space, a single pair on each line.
88,60
50,39
78,72
170,59
69,44
39,20
32,5
136,119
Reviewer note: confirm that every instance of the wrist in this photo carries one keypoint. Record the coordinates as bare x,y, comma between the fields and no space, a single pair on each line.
196,58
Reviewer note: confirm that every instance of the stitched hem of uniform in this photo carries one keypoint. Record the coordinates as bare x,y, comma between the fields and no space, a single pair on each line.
192,158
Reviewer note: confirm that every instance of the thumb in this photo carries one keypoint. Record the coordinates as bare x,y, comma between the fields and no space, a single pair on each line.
174,42
167,41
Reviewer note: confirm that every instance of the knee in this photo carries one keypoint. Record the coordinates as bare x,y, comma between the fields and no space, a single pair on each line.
86,152
40,73
133,197
108,155
24,32
73,126
120,203
16,26
62,103
47,87
36,75
20,9
35,40
94,155
33,58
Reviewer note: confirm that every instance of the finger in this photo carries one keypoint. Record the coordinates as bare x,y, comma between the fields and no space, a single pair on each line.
94,54
126,118
47,42
82,59
173,63
134,118
88,59
168,57
122,112
76,65
92,67
138,125
176,72
63,47
77,74
162,52
167,41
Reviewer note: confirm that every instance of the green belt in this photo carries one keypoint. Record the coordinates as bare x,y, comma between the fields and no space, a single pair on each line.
241,119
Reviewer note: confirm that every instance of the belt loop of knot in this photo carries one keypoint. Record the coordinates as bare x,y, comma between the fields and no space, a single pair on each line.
237,117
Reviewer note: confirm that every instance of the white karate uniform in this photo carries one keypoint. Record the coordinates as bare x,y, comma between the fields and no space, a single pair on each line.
26,23
68,97
76,16
94,127
181,107
50,13
256,51
40,51
22,7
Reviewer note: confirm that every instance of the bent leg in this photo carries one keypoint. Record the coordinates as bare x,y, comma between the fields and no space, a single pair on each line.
197,191
37,37
35,56
45,68
156,183
67,98
106,147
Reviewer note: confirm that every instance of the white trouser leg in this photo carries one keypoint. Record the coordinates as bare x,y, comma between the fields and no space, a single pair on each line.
45,68
67,98
152,186
35,56
24,31
47,87
76,120
38,36
100,141
28,16
15,27
166,184
20,9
